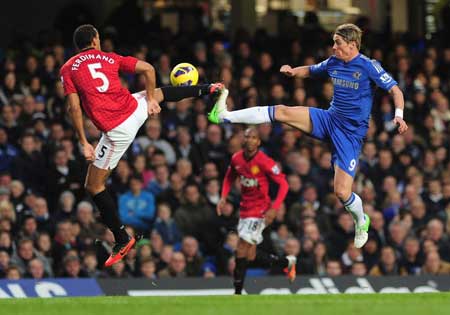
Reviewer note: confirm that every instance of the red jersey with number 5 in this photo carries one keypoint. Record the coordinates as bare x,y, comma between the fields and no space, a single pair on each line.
94,75
254,175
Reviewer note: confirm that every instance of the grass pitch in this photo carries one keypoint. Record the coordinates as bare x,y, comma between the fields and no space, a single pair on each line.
383,304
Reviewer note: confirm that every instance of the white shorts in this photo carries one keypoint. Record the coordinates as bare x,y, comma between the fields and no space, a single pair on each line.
250,230
113,144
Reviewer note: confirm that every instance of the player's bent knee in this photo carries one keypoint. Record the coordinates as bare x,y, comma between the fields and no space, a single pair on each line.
281,113
342,193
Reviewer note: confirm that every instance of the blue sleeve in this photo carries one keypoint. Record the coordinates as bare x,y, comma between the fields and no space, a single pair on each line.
319,68
378,75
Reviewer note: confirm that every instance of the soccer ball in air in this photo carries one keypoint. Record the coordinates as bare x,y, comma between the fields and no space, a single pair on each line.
184,74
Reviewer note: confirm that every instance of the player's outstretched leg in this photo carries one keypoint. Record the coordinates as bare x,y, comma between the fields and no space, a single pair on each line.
291,269
254,115
95,185
362,220
295,116
177,93
343,183
287,263
239,274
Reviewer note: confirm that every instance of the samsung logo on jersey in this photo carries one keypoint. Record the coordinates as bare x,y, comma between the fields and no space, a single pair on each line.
345,83
83,58
249,182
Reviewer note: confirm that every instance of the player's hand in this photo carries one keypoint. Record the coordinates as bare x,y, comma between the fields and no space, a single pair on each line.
287,70
269,216
153,106
402,126
220,206
88,151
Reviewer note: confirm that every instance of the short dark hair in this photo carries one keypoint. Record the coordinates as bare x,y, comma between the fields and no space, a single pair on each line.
83,35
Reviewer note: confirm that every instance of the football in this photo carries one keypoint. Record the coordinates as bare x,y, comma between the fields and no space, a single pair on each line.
184,74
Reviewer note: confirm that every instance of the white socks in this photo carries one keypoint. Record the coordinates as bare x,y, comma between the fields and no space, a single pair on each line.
252,115
354,206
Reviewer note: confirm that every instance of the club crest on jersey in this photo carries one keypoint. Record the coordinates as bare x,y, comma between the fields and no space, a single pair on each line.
357,75
276,170
254,169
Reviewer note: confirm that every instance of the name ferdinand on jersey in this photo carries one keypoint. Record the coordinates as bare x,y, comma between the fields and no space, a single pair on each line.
76,64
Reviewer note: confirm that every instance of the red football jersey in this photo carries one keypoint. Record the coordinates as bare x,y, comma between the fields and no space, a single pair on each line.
254,175
94,75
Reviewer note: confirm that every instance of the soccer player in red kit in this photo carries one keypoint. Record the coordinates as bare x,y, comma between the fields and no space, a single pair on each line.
254,169
91,81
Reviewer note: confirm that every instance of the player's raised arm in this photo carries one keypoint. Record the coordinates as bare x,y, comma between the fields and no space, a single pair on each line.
76,114
302,71
399,103
150,84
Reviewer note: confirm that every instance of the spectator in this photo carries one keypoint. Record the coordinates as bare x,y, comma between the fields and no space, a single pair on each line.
118,271
193,213
434,265
435,232
137,207
320,258
164,257
358,269
29,228
44,246
29,165
153,137
36,270
212,148
26,253
148,269
185,149
6,242
165,225
63,242
7,151
89,228
174,194
41,212
4,262
194,260
160,182
140,167
176,268
13,273
334,268
388,264
351,256
72,267
411,259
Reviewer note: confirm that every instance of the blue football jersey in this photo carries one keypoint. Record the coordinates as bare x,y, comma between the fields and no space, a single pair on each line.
353,88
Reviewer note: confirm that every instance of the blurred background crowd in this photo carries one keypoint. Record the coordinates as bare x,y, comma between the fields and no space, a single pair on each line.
168,183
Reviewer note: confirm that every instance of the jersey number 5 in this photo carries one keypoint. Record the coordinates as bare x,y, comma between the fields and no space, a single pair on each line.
99,75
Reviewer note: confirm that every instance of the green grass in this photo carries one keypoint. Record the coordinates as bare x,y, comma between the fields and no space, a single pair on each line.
383,304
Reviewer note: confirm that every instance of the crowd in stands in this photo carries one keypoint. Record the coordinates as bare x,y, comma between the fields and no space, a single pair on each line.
168,183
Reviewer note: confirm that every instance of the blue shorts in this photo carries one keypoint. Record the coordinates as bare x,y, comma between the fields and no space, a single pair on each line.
346,146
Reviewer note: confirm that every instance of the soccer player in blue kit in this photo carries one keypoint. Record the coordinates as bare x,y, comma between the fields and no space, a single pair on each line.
344,123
